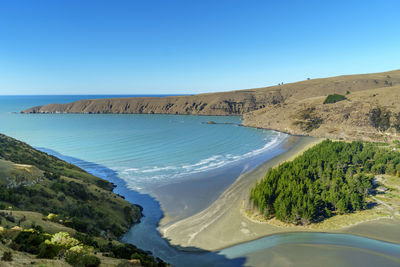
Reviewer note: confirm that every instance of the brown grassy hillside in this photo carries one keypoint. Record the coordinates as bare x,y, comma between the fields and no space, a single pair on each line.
349,119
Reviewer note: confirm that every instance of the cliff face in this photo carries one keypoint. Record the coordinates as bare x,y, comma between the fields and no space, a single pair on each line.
205,104
227,103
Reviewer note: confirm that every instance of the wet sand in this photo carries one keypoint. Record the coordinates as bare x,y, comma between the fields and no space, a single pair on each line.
318,255
381,229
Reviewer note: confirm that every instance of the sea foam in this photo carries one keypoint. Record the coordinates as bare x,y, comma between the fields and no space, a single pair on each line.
148,176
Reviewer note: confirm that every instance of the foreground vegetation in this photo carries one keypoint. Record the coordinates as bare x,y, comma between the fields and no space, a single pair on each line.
330,178
35,181
40,243
53,209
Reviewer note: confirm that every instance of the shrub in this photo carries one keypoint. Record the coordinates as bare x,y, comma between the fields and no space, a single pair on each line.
52,217
380,118
312,124
48,250
7,256
63,240
330,99
78,259
86,239
29,241
106,185
308,120
36,227
59,242
396,123
89,261
52,176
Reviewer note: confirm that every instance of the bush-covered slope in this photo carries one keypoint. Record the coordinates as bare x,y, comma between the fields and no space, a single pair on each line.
54,210
330,178
20,152
30,239
46,184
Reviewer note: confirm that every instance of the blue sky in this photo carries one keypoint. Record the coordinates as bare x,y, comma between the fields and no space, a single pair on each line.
146,47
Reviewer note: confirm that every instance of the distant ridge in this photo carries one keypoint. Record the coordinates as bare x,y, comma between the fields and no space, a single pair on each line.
273,107
224,103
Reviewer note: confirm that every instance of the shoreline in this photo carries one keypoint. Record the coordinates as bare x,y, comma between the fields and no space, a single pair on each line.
187,254
186,198
223,224
208,228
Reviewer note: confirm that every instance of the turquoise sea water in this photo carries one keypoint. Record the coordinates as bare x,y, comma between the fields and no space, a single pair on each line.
143,152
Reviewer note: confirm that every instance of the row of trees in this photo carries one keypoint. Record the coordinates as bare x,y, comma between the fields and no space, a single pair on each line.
332,177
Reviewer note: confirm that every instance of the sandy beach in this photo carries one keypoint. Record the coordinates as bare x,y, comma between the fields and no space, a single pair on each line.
182,199
224,223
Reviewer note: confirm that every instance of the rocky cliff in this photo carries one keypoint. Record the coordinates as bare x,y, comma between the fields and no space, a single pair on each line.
206,104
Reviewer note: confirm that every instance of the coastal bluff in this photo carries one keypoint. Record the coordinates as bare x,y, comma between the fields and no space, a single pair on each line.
229,103
295,108
225,103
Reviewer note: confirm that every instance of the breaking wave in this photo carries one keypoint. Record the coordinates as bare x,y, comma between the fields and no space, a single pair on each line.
140,178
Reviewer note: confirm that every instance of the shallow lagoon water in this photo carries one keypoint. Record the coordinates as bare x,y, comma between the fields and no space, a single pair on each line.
146,153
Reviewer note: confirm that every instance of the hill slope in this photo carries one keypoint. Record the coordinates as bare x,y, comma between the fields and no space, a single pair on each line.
53,213
350,119
35,181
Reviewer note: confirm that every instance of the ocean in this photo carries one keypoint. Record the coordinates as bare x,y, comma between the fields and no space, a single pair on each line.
145,150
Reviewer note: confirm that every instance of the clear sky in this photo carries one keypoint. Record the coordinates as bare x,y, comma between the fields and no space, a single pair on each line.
189,46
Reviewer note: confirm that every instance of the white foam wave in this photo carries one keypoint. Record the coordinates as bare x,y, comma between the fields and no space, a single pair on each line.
138,178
